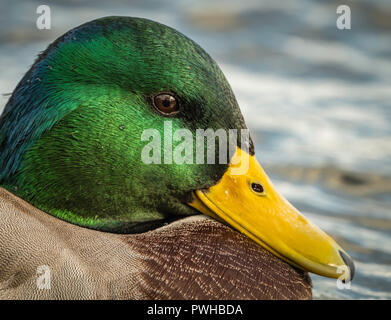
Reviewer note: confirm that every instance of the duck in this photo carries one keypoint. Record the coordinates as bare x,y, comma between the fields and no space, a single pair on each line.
90,208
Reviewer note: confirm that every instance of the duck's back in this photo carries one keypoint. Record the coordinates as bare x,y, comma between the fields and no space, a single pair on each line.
42,257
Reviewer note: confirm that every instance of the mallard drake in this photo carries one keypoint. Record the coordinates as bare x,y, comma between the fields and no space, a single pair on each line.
77,197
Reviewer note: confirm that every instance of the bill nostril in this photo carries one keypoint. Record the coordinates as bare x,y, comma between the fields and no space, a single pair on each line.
349,262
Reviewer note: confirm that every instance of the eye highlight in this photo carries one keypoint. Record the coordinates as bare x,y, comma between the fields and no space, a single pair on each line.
166,103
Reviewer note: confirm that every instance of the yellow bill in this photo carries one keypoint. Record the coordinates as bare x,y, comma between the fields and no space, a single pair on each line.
246,199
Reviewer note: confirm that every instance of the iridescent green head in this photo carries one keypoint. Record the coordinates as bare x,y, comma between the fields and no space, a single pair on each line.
70,136
71,142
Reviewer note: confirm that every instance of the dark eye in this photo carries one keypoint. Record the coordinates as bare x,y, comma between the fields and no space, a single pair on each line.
166,103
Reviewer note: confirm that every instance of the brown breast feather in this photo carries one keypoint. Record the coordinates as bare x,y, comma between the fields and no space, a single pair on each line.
193,258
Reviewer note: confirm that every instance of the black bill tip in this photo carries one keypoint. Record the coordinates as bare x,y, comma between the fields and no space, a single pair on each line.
349,262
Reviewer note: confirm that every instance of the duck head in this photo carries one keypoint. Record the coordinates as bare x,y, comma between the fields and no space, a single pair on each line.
72,140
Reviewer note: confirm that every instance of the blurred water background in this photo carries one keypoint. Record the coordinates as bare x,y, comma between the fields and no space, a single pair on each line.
317,100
